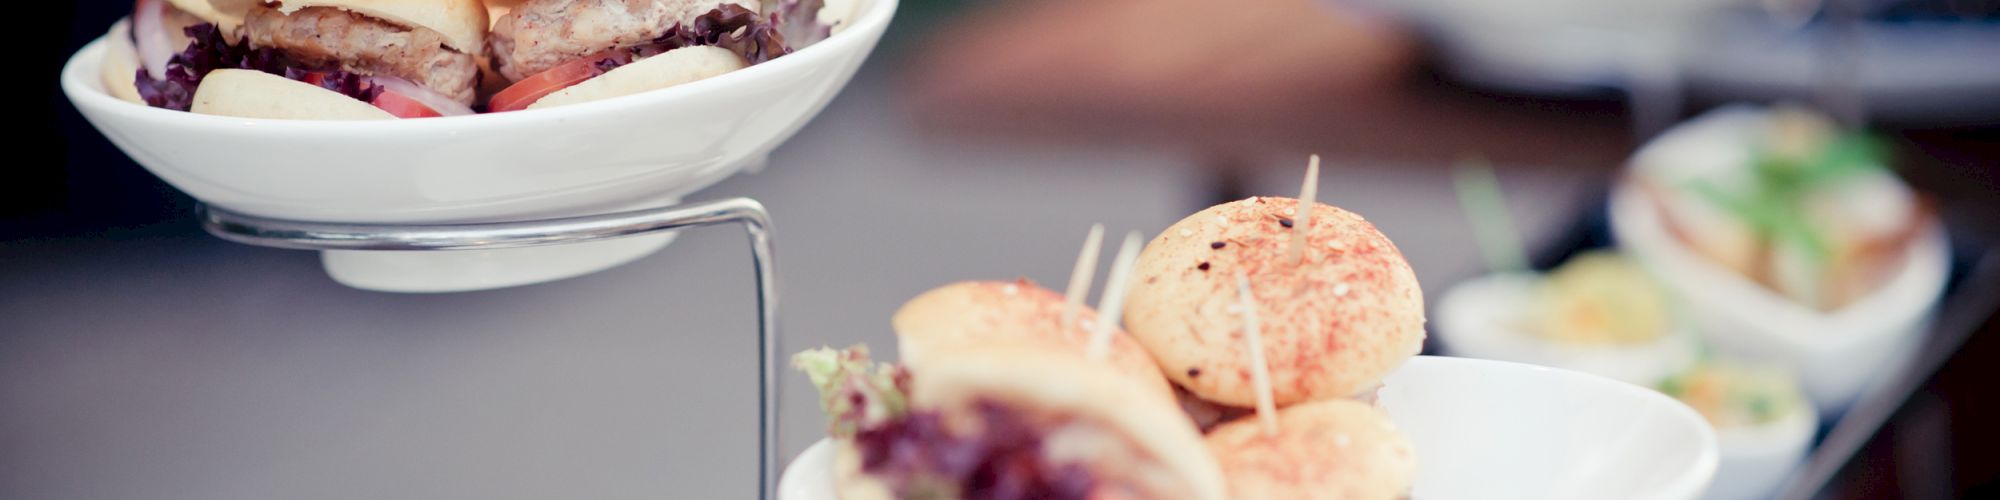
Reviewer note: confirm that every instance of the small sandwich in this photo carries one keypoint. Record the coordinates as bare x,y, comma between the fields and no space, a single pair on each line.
1005,423
1322,450
340,60
978,314
561,52
1338,315
135,65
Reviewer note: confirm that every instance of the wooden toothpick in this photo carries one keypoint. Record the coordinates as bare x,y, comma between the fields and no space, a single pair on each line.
1303,224
1260,371
1112,304
1079,278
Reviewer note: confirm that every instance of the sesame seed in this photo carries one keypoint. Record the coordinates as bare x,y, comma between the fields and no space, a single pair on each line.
1010,289
1193,372
1203,266
1221,220
1186,232
1291,211
1285,222
1217,245
1340,290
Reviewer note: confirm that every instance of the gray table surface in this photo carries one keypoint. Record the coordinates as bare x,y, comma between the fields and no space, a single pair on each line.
191,368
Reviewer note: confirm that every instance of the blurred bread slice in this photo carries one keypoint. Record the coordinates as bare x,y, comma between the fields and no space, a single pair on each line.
120,68
255,94
670,68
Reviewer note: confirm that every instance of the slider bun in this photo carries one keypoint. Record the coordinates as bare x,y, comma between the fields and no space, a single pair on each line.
849,483
1331,326
1332,450
667,69
227,20
1059,385
974,314
462,22
256,94
120,68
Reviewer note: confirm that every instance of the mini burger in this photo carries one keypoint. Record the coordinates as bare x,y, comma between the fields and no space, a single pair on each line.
1322,450
560,52
135,68
396,58
1334,322
978,314
1005,423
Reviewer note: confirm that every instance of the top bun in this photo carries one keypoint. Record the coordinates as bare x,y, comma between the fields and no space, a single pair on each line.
462,22
975,314
1332,325
1056,387
227,20
1335,449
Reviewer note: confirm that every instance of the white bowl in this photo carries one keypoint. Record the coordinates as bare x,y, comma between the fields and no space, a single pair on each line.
1495,430
1837,355
643,150
1756,460
1476,319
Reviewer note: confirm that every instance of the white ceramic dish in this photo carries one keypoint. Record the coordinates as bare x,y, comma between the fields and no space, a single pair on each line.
1837,355
1756,460
643,150
1476,319
1495,430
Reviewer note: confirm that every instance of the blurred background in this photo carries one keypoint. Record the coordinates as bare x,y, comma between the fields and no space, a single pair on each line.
1821,151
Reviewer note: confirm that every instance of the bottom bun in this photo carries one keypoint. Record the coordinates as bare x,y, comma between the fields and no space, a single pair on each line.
121,64
256,94
670,68
849,483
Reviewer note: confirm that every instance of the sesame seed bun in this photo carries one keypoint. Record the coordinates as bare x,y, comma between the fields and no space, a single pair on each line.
667,69
1171,460
462,22
256,94
1323,450
972,314
1332,326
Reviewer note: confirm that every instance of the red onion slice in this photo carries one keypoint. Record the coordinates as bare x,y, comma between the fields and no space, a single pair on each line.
441,103
149,33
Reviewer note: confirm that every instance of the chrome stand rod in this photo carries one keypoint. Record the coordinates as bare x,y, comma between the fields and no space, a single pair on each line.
260,231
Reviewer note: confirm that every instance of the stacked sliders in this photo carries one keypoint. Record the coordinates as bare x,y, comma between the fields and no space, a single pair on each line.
1272,320
381,59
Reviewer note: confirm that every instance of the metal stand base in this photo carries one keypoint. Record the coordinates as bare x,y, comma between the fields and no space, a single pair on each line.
253,230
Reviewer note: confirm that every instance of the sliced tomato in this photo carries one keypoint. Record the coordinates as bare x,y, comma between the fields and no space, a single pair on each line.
403,106
533,88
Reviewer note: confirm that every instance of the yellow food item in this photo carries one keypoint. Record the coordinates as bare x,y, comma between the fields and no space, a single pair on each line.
1599,298
1735,396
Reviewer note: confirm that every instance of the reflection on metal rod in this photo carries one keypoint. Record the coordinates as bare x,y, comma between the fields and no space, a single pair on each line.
253,230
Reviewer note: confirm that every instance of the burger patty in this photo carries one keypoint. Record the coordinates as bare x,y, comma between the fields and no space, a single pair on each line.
332,38
542,34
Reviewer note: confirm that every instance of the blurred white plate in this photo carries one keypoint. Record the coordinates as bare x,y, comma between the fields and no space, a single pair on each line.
1837,355
637,151
1495,430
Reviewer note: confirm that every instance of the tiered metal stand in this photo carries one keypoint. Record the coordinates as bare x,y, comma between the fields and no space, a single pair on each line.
261,231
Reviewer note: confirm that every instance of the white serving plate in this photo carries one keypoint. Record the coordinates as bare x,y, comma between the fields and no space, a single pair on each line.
631,152
1494,430
1837,355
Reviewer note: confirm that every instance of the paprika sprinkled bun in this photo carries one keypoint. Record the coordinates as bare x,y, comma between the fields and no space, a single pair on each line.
1323,450
1332,325
973,314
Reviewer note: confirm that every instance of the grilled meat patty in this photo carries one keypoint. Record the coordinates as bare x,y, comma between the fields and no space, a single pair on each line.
333,38
542,34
